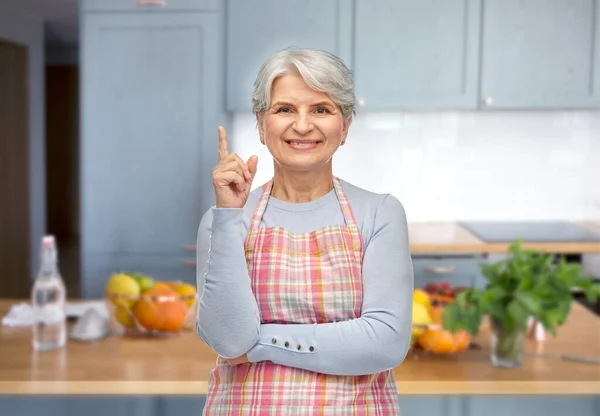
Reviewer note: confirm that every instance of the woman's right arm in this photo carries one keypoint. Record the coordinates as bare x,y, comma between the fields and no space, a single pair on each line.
228,317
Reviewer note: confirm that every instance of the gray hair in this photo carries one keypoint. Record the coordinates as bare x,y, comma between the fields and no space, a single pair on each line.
322,71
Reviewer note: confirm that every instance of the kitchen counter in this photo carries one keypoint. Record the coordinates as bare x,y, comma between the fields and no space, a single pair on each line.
452,238
180,365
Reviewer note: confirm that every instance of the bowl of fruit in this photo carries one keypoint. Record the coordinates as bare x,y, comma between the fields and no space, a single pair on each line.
428,333
139,305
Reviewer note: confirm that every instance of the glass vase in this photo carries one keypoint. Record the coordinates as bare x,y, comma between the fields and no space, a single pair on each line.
507,347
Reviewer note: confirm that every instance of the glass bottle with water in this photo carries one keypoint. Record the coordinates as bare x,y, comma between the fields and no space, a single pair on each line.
49,301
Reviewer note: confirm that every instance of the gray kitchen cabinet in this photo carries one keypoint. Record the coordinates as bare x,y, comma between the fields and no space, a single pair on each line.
458,271
257,29
151,94
416,54
58,405
540,54
192,405
150,6
533,405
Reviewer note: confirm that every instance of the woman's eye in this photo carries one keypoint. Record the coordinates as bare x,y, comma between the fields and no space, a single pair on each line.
322,110
283,110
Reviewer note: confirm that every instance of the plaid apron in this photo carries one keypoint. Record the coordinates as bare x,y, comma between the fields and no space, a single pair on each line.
309,278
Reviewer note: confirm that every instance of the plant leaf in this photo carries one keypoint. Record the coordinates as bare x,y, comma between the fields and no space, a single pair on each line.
451,318
519,314
530,302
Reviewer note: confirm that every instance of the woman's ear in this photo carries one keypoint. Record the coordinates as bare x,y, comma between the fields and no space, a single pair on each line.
345,126
261,128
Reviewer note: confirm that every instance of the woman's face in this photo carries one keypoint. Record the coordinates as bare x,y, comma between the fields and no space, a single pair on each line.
302,128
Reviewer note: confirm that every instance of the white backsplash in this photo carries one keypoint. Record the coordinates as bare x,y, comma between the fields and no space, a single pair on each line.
447,166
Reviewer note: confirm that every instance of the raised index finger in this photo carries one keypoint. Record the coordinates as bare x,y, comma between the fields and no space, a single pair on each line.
223,149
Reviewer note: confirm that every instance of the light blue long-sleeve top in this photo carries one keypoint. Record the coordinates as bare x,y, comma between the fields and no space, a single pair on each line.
228,315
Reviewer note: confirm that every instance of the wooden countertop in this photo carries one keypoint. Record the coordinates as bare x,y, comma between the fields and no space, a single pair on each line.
452,238
180,366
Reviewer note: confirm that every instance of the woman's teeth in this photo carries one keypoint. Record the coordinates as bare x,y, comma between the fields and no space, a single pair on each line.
303,143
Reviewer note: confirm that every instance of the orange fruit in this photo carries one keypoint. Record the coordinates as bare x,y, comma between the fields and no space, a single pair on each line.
161,314
440,341
436,314
187,290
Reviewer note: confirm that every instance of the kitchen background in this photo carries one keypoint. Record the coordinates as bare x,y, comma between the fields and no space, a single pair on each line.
491,113
468,110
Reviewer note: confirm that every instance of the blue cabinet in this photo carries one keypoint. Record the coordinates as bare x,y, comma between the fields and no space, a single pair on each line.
540,54
437,405
151,94
458,271
259,28
533,405
430,54
416,54
150,6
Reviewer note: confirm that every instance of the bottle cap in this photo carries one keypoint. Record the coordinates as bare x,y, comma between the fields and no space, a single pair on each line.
48,241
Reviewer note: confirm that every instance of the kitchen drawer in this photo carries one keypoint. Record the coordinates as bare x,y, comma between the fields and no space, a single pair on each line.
467,280
149,5
456,271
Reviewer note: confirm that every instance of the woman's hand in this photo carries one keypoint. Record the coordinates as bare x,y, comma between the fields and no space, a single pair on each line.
232,178
240,360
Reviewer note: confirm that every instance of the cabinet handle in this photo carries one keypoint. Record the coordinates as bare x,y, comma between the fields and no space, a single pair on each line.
489,101
440,269
189,262
150,2
189,247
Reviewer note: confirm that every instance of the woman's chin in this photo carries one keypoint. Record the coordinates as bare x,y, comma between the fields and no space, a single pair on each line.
304,164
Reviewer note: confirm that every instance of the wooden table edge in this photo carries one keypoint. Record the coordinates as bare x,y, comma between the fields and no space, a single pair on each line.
200,388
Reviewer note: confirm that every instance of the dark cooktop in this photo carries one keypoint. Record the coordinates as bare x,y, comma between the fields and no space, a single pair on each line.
530,231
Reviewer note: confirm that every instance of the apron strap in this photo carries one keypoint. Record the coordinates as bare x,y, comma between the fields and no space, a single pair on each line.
344,205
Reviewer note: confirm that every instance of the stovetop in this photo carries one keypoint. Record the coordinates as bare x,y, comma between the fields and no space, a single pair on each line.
530,231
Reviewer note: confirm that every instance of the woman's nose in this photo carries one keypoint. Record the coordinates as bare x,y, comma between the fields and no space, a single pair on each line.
303,124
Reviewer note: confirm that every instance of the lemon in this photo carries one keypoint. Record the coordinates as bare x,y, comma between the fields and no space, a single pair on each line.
420,296
420,316
124,316
122,284
186,289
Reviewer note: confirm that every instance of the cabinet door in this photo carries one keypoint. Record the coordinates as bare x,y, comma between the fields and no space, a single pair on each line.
149,6
540,54
149,111
533,406
259,28
416,54
456,271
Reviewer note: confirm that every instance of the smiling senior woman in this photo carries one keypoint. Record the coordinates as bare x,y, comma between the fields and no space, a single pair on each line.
305,283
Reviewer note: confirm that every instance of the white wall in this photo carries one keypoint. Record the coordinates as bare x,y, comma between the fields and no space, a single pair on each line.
447,166
28,30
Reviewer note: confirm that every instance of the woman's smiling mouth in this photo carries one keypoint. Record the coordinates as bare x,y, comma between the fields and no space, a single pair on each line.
303,144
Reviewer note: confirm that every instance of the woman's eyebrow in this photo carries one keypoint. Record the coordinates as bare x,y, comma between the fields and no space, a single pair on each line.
280,102
327,103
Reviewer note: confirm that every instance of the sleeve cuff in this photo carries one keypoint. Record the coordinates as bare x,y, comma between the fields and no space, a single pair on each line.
273,343
227,216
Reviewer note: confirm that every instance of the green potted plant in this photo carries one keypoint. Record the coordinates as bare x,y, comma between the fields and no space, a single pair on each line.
528,284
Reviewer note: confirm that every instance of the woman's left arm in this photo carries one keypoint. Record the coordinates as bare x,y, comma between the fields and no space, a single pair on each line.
379,339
